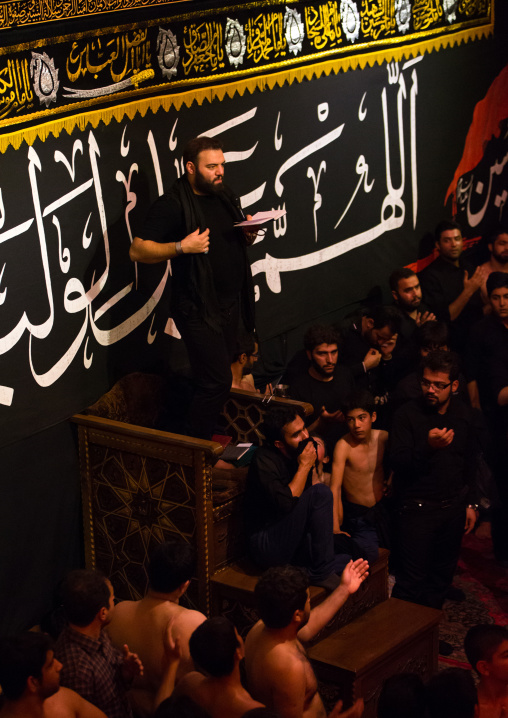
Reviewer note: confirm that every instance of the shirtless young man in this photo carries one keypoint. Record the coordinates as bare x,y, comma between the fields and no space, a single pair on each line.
143,624
358,481
498,261
486,648
278,671
216,649
30,680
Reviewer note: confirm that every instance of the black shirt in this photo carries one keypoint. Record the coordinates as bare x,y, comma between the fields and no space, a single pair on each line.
268,496
488,339
421,472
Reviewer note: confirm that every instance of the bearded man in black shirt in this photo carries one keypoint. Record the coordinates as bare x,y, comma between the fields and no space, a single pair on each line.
433,455
211,283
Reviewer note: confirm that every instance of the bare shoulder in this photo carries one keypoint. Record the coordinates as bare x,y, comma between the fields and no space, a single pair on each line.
66,703
188,684
382,436
342,447
187,619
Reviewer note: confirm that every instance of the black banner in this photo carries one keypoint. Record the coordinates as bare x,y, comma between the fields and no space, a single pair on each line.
361,162
45,78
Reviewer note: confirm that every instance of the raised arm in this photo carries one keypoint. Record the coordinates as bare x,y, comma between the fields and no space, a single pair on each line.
340,455
352,578
471,285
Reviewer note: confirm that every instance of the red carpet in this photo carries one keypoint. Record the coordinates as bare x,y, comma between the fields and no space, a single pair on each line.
485,584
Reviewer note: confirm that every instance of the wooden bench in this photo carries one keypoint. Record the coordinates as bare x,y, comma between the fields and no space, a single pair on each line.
393,637
233,594
141,485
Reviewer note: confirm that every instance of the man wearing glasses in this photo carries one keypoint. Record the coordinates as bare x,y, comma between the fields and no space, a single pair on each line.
433,456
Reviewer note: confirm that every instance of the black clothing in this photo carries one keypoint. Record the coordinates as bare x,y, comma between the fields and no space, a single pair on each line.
409,388
330,394
432,488
289,529
408,325
488,341
209,292
442,282
421,472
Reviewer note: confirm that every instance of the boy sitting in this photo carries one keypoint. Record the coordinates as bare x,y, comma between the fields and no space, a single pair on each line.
358,479
486,649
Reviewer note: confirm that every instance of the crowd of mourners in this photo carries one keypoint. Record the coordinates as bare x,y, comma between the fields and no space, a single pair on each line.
404,448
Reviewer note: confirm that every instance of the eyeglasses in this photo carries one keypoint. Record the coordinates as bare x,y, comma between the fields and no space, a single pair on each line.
438,385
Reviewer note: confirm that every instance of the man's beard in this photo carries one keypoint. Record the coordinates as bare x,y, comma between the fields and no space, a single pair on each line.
411,306
205,186
320,370
501,258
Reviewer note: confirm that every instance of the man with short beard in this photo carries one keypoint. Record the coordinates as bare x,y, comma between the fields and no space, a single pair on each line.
433,454
407,295
30,680
289,519
211,283
324,383
498,262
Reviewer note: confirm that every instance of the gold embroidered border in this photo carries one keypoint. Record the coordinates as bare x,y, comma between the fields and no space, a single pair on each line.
260,82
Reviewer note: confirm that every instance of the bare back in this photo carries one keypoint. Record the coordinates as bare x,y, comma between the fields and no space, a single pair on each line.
218,698
68,704
280,676
363,471
142,625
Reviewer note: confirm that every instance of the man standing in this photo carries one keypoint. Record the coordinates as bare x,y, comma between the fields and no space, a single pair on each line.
91,666
278,671
30,680
450,286
143,624
433,455
498,262
211,282
324,384
289,520
407,295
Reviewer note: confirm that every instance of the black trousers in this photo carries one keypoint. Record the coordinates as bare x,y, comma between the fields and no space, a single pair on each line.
210,352
429,539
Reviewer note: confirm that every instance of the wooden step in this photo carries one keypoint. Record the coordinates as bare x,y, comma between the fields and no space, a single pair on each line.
232,591
393,637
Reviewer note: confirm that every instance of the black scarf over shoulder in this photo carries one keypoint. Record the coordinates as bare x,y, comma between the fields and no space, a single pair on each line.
202,290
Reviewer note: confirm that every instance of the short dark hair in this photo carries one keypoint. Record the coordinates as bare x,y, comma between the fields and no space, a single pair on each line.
359,399
171,563
276,419
197,145
384,317
245,344
445,226
280,592
22,656
83,593
496,232
496,280
397,275
451,694
446,362
320,334
402,696
482,641
432,334
213,645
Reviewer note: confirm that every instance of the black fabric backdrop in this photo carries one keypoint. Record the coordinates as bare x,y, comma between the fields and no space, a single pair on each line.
377,148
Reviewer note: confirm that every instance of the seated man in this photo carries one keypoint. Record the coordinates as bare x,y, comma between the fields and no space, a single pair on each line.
486,649
278,671
407,295
216,649
323,383
30,681
142,624
288,518
358,479
246,353
91,666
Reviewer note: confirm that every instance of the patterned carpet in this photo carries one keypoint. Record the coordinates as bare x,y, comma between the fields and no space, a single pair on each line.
485,584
